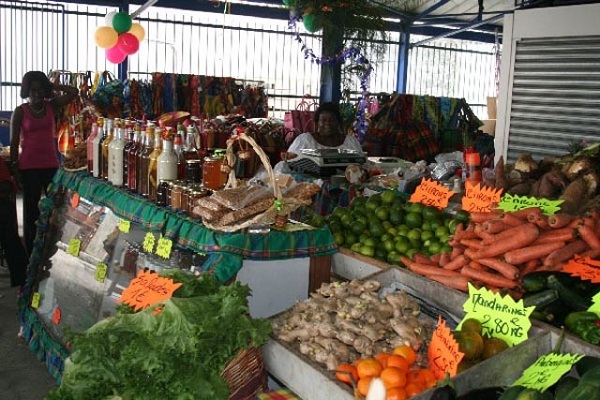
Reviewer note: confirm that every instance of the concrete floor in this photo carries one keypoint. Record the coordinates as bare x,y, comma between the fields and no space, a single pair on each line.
22,375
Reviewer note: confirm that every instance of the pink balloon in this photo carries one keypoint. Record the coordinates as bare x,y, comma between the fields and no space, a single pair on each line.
128,43
115,55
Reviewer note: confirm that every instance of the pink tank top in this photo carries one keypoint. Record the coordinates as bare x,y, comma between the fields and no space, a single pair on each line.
37,140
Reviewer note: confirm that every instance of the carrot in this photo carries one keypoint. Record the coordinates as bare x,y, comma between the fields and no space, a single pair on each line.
511,219
494,225
456,251
420,258
565,253
458,232
444,259
524,254
457,263
521,214
591,253
542,221
489,278
575,222
472,243
424,269
504,268
471,253
507,234
556,235
559,220
469,232
483,216
530,266
587,234
436,258
521,236
533,214
476,265
588,221
456,281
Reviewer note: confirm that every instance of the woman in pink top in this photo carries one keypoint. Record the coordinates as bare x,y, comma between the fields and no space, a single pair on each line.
32,127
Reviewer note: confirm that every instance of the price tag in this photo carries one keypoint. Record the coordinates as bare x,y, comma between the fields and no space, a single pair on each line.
595,307
547,370
56,316
75,200
443,353
584,267
74,246
500,316
511,202
147,289
101,270
163,249
480,199
124,225
35,300
149,241
431,193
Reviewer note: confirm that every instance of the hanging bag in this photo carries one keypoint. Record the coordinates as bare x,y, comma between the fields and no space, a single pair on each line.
302,119
108,96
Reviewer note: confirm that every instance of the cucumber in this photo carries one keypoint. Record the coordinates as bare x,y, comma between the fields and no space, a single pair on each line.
535,281
591,377
586,363
530,394
511,393
564,387
570,297
583,391
540,299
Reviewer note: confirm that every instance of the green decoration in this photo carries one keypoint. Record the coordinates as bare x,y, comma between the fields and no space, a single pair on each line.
278,205
311,23
121,22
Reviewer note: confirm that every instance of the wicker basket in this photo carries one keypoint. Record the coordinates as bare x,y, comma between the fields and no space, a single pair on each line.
281,207
246,375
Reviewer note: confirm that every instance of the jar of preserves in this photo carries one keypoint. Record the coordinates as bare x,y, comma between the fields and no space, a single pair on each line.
193,172
176,197
162,193
213,175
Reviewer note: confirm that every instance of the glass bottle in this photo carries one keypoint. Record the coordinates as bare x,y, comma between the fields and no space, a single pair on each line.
128,144
109,137
474,168
153,165
143,161
131,159
90,147
167,162
115,158
190,152
97,170
177,142
213,176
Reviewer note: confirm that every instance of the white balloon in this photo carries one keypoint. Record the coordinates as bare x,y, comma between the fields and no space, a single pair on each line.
108,19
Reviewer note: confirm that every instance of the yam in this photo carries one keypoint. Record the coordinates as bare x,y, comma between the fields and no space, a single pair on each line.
573,196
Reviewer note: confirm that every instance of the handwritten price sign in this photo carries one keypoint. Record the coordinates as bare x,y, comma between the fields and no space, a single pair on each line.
163,249
480,199
147,289
124,225
443,353
547,370
101,270
431,193
584,267
35,300
516,203
74,246
149,241
500,316
595,307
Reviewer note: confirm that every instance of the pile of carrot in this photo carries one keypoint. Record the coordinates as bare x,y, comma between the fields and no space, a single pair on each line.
496,249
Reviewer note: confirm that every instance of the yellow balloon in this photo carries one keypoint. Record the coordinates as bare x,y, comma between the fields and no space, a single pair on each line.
138,31
105,37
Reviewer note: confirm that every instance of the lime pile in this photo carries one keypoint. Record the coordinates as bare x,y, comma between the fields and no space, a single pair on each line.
387,227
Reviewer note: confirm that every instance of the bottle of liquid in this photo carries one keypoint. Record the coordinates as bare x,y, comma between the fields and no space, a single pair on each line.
90,147
153,165
179,154
213,176
109,128
190,152
143,161
473,168
115,158
131,159
167,162
97,170
128,144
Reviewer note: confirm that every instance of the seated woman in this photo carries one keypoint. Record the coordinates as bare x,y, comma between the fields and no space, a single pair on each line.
328,135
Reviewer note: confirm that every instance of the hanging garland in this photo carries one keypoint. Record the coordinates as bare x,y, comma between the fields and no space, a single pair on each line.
352,53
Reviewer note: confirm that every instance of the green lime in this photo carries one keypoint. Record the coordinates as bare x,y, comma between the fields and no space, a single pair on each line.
414,234
393,257
426,226
350,239
396,216
462,216
387,225
368,251
411,252
338,238
392,231
434,247
446,248
359,216
371,242
388,245
355,247
430,212
442,231
436,223
358,202
426,235
452,224
380,254
402,247
335,226
416,207
317,221
412,219
388,196
377,230
373,202
358,227
403,229
347,221
340,212
382,213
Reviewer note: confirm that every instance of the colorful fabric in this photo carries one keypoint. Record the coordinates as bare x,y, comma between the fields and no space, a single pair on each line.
281,394
191,234
37,140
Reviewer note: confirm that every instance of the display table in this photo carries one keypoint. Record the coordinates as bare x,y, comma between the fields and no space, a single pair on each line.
66,291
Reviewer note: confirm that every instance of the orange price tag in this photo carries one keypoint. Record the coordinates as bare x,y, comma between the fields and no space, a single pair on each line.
443,353
147,289
480,199
584,267
56,316
431,193
75,200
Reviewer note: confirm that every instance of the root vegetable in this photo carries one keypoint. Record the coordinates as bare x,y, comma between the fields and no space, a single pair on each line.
489,278
573,196
587,234
524,254
559,220
517,237
565,253
504,268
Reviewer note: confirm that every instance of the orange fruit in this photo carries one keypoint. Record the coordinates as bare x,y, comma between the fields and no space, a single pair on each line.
427,377
346,373
368,367
363,385
399,362
382,358
413,388
396,393
406,352
393,377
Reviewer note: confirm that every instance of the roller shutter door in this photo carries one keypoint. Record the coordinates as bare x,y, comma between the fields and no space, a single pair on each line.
555,95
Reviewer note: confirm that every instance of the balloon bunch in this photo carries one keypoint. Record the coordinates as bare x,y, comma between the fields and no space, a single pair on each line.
120,37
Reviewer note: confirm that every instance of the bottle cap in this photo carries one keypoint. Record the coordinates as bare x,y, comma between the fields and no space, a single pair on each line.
473,159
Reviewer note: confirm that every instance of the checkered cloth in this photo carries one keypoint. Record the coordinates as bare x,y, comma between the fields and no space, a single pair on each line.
281,394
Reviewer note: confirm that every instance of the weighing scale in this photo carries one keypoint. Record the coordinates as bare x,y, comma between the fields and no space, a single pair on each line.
325,162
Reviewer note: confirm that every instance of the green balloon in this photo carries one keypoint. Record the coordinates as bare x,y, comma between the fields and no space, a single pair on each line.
311,22
287,3
121,22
